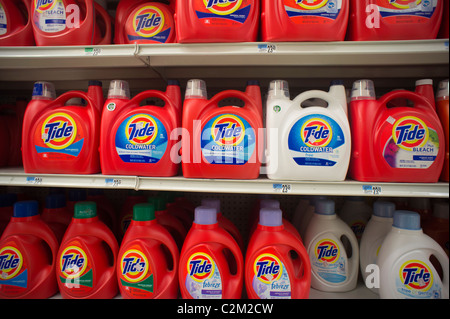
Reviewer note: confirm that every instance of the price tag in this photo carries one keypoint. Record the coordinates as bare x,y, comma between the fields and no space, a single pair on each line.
282,188
113,182
92,51
33,180
267,48
371,189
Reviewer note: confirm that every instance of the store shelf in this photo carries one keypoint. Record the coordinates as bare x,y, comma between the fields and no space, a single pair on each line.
262,185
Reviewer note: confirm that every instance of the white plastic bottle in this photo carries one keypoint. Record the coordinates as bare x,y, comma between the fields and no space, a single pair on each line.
307,142
404,260
379,225
356,213
332,269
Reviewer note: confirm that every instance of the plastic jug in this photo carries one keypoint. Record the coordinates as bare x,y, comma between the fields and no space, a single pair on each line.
221,142
217,20
394,20
28,250
333,269
15,23
205,269
356,213
135,139
56,215
442,105
406,271
59,138
271,271
148,258
292,20
395,144
307,143
437,226
87,256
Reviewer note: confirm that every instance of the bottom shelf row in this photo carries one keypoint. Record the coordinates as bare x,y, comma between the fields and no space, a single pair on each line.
103,244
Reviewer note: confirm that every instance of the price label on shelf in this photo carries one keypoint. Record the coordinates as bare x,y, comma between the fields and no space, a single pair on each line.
267,48
34,180
92,51
282,188
372,189
113,182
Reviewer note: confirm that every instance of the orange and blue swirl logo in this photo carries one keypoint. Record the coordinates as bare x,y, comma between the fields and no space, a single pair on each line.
228,130
222,7
327,251
134,265
311,4
416,275
59,131
405,4
267,268
148,21
44,5
73,262
11,262
200,267
410,132
316,133
141,129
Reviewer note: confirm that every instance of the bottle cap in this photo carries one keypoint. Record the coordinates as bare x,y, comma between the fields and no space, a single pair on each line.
95,83
143,212
253,82
26,208
205,215
55,201
196,89
443,91
363,90
384,209
173,82
405,219
440,210
279,89
336,82
118,89
325,207
85,210
158,202
44,91
270,217
269,203
424,82
210,202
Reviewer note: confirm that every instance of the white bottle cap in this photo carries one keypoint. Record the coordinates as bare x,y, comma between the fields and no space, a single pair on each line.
43,91
279,89
443,91
119,89
325,207
363,90
196,89
424,82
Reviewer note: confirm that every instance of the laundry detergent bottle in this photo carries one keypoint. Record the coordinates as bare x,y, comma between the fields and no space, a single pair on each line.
15,23
442,105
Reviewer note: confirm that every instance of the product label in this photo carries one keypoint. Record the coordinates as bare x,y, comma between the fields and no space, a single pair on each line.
136,275
203,280
228,139
148,23
316,140
406,11
270,278
416,280
13,270
224,13
49,15
329,260
141,138
59,137
312,11
409,143
75,269
3,21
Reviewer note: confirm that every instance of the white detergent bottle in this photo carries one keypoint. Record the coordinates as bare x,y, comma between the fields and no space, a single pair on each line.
332,268
406,271
356,213
378,226
305,139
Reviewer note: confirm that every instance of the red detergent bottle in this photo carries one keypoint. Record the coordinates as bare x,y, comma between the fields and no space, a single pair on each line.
271,271
206,271
221,141
180,207
56,215
135,139
200,21
148,261
383,20
395,144
28,250
59,138
15,23
442,98
86,261
293,20
7,201
126,212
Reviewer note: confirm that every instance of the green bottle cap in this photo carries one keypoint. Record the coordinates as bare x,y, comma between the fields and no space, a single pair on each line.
85,210
143,212
159,203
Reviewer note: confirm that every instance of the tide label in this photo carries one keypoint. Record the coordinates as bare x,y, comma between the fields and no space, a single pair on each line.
203,280
49,15
312,11
75,269
329,260
136,275
149,23
406,11
226,13
13,270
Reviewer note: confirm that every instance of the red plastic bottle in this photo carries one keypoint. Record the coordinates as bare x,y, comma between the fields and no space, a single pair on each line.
135,140
383,20
217,20
15,23
444,30
180,207
59,138
292,20
442,98
271,271
221,142
86,261
28,250
396,144
206,271
126,213
56,215
6,209
147,267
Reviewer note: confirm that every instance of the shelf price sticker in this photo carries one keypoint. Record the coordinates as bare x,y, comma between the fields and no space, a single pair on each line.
113,182
267,48
371,189
282,188
92,51
34,180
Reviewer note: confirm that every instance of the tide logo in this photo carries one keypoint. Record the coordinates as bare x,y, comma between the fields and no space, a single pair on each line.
73,262
148,21
316,133
200,267
59,131
416,275
222,7
327,251
228,129
134,265
44,5
267,268
141,129
410,132
405,4
11,262
311,4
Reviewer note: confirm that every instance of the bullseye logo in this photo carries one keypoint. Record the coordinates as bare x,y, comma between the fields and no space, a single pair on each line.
59,131
222,7
11,262
267,268
228,130
134,265
200,267
327,251
405,4
416,275
141,129
311,4
316,133
410,132
148,21
44,5
73,262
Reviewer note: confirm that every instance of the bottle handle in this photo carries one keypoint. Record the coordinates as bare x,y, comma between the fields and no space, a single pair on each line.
417,99
299,99
107,20
304,281
173,248
214,101
63,98
151,94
